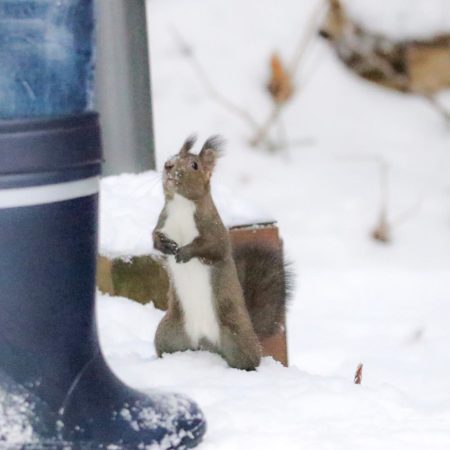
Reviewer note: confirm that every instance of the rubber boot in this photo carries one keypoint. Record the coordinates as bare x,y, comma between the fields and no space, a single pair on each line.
49,352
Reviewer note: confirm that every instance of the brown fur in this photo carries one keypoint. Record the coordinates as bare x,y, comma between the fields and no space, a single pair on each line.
266,283
249,282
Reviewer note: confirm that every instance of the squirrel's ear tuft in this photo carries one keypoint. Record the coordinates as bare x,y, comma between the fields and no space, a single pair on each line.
188,144
212,150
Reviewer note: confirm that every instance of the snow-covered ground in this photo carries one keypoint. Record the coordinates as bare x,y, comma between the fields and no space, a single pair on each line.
356,300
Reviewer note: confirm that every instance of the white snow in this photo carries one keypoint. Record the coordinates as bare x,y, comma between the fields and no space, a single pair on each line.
15,419
130,205
402,19
387,306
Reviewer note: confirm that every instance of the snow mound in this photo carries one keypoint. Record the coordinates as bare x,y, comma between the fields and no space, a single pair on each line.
130,205
402,19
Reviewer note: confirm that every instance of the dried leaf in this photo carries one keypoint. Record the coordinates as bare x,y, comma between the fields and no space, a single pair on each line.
280,84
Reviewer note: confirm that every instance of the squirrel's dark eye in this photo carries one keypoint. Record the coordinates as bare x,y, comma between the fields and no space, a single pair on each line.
194,165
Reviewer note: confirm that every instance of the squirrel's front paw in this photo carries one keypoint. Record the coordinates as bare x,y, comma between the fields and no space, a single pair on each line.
166,245
182,255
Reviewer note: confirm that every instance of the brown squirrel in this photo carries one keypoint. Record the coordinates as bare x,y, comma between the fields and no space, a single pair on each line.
221,299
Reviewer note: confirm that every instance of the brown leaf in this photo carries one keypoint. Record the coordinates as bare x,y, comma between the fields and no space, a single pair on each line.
280,84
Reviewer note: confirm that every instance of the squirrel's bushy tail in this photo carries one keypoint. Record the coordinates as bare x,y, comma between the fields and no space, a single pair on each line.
266,283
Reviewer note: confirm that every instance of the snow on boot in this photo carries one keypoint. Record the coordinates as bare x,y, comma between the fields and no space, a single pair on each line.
49,349
23,416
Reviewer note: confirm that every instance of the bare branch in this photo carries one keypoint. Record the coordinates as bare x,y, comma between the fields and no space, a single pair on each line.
204,79
302,46
305,39
438,107
261,133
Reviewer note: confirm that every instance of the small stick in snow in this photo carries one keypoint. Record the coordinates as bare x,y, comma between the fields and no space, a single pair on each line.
383,228
358,374
382,231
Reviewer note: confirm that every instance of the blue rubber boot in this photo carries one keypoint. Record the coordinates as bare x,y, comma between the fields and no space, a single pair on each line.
49,352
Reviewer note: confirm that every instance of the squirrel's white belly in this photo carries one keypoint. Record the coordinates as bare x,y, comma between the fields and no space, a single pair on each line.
191,280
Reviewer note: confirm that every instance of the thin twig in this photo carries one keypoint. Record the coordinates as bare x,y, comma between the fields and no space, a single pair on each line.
201,73
438,107
299,54
304,41
261,133
282,134
407,214
382,230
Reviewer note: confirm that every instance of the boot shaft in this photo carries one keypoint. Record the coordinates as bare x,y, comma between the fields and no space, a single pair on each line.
48,246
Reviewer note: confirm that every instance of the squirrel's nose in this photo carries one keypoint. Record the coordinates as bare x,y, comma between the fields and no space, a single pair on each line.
168,165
